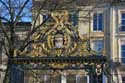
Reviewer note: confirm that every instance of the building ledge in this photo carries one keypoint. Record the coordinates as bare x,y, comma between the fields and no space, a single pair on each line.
96,34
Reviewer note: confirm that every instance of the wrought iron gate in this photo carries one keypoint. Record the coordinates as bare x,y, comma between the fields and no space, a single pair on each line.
59,46
94,66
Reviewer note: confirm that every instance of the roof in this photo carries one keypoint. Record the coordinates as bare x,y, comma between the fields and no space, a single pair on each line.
50,4
20,23
20,26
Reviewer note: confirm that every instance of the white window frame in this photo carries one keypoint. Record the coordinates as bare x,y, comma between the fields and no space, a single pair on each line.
122,42
120,11
92,42
98,10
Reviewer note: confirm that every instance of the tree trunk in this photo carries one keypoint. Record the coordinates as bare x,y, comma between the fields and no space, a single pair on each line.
7,72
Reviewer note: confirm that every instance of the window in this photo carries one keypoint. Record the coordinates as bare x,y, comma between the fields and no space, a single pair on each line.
47,18
96,78
56,79
98,22
123,79
81,79
71,79
73,18
123,53
98,45
122,21
77,79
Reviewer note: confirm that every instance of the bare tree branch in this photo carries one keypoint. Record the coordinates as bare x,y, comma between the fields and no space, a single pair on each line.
16,13
5,32
35,27
5,19
4,4
20,11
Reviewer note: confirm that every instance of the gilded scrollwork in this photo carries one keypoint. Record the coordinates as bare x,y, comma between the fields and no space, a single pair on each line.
59,39
57,65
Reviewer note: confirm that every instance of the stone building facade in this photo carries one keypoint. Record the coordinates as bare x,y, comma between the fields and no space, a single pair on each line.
105,26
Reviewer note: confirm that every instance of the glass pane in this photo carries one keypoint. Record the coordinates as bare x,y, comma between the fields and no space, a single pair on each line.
123,60
122,28
123,22
71,79
122,47
123,15
98,45
45,17
99,48
100,22
96,78
100,16
95,16
75,19
100,26
95,24
95,20
123,78
94,27
100,42
123,54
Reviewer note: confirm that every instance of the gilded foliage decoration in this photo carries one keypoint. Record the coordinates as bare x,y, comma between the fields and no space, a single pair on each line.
57,38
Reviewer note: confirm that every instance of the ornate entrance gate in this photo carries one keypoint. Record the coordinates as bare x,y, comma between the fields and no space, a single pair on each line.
93,66
58,46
